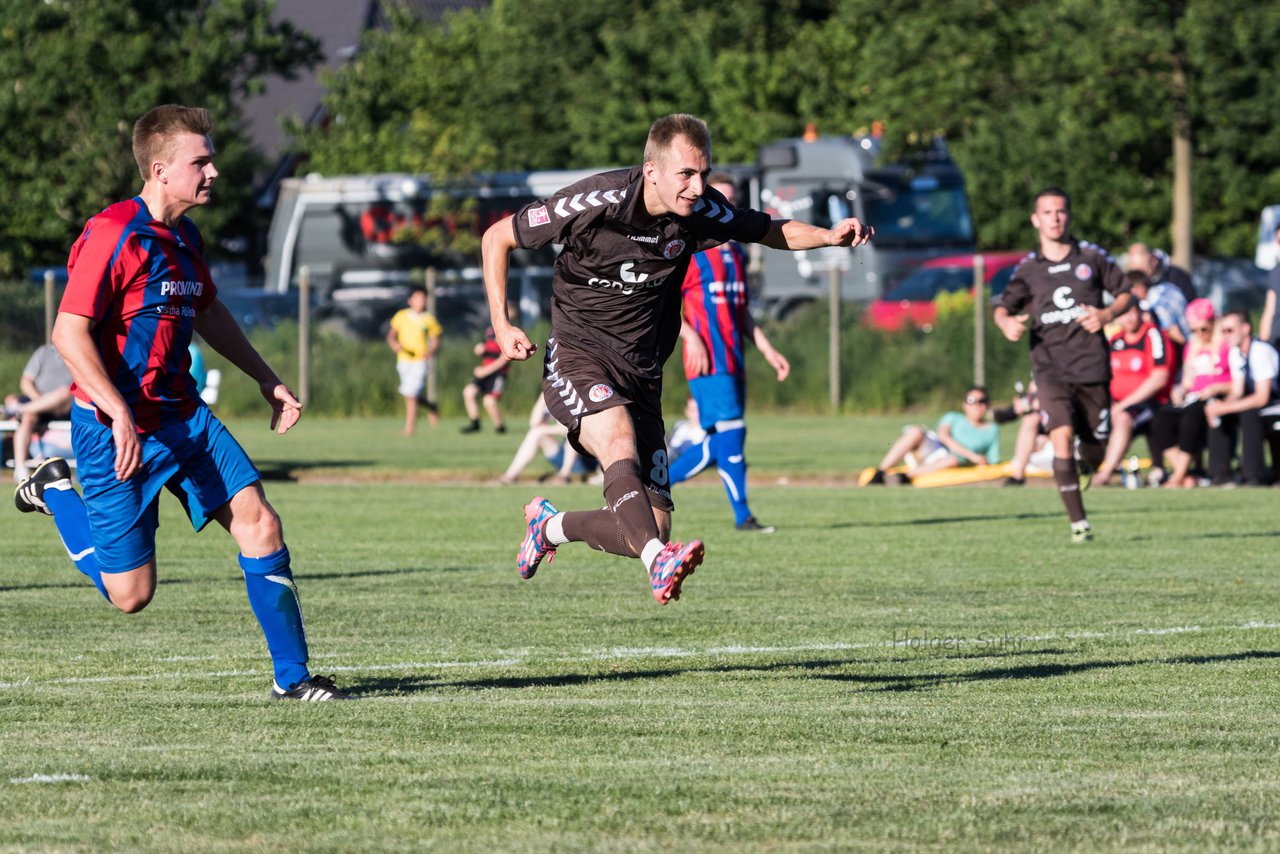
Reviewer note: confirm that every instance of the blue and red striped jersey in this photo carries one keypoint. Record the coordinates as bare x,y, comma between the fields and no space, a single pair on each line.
715,305
142,284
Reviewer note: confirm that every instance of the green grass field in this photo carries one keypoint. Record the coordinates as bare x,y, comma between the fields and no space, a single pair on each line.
894,669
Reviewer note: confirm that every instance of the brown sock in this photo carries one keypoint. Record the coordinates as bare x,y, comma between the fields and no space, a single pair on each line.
626,524
1064,472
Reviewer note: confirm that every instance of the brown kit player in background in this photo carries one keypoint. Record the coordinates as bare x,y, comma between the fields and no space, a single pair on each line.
1060,288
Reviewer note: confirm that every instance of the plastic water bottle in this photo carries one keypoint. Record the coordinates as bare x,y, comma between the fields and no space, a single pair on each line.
1131,479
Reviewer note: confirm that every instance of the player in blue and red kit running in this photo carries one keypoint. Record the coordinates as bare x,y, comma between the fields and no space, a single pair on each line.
138,288
715,328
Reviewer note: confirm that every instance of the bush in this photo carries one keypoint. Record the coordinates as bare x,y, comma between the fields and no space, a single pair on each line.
880,372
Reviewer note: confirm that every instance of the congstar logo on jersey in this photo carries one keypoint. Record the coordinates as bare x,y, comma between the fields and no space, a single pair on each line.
631,281
1067,311
181,289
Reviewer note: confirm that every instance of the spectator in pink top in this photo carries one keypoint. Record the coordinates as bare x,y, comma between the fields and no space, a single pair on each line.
1206,375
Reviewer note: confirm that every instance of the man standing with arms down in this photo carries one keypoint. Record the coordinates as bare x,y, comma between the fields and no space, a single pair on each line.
137,287
1062,285
628,236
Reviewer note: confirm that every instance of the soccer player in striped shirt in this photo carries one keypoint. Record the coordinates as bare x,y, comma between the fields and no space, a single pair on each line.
138,287
714,330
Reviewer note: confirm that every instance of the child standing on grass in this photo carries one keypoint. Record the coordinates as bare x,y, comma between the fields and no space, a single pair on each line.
415,337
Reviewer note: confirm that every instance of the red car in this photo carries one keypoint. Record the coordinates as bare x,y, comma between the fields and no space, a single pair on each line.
911,300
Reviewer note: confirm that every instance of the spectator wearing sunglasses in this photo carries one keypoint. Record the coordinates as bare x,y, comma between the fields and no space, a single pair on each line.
1206,374
961,438
1250,411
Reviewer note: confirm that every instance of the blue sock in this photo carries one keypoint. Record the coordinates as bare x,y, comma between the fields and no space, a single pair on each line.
274,600
728,447
694,459
72,521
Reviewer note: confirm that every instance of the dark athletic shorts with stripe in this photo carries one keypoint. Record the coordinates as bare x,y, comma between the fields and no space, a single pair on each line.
576,385
1085,407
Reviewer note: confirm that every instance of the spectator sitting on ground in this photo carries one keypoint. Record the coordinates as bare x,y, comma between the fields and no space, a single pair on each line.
45,395
1032,437
1140,384
1250,410
1206,374
686,432
967,438
548,435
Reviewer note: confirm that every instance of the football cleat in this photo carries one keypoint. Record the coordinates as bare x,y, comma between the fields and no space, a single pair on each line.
29,496
752,524
317,689
1081,533
534,547
672,566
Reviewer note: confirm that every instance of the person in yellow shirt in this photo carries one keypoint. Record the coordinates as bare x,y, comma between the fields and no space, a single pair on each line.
415,337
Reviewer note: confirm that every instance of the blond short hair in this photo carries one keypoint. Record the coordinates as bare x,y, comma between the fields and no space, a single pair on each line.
154,134
666,129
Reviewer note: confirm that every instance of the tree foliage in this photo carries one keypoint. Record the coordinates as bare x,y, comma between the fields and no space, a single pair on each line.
78,73
1069,92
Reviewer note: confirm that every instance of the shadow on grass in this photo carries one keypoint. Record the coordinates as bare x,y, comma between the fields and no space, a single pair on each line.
1035,671
415,683
421,682
321,577
304,579
947,520
285,470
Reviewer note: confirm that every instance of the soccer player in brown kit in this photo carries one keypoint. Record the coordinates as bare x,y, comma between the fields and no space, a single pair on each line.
628,236
1061,287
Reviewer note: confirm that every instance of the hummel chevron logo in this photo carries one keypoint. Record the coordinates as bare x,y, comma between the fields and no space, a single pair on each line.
568,206
711,210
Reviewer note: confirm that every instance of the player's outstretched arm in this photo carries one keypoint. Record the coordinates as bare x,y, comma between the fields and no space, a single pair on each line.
220,331
495,252
793,235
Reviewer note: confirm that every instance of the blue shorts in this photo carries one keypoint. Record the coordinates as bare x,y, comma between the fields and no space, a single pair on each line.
197,459
720,397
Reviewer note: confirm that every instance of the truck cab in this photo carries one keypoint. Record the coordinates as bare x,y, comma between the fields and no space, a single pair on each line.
350,233
919,208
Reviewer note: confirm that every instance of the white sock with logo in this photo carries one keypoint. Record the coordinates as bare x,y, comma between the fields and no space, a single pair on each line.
650,552
553,532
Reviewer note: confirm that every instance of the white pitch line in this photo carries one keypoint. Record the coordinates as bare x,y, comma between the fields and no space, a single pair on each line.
633,653
51,778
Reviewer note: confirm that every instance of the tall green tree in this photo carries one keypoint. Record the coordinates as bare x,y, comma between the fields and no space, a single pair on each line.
77,74
1071,92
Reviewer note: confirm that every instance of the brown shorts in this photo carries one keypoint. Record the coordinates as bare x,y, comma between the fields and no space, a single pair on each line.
575,385
1084,407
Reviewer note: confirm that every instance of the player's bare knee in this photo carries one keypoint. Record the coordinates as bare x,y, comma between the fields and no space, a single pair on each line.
132,601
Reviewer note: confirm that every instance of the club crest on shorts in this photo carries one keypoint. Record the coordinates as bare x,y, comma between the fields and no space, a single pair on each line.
538,216
672,249
599,392
1084,272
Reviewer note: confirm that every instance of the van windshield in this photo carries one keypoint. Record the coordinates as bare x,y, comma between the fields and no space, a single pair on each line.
925,211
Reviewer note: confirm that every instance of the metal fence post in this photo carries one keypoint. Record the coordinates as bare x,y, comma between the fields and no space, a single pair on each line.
48,306
979,321
833,335
430,283
304,336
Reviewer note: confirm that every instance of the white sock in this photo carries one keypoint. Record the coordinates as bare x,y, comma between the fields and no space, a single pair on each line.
650,551
554,530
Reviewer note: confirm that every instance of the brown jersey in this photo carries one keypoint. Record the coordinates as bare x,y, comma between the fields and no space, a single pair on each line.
1055,293
615,292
